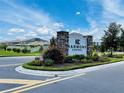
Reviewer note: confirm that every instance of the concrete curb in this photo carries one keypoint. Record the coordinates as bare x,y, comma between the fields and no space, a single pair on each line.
20,69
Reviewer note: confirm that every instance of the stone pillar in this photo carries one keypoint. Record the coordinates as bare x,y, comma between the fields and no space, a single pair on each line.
89,44
62,41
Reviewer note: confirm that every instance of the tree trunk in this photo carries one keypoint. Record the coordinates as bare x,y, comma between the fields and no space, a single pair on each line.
111,50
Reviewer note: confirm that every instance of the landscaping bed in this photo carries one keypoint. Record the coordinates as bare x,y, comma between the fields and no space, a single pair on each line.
54,60
70,66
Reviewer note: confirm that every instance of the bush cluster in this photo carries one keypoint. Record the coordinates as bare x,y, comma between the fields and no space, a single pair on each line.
114,55
35,63
48,62
54,56
25,50
18,50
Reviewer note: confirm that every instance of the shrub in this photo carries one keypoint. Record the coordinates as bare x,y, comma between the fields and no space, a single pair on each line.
118,56
54,54
95,57
37,58
89,61
9,49
18,50
88,57
48,62
84,60
104,59
25,50
76,60
109,55
35,63
78,57
68,59
14,49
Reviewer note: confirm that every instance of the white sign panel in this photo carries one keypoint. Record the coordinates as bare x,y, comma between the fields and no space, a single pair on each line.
77,44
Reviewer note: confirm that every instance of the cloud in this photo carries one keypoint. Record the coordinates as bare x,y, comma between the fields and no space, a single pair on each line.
43,30
33,22
30,34
38,23
10,33
110,11
78,13
49,29
113,6
16,30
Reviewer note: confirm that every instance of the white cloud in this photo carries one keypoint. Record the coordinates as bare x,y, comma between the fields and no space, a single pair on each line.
113,6
50,29
112,11
30,34
78,13
16,30
43,30
10,33
33,22
76,30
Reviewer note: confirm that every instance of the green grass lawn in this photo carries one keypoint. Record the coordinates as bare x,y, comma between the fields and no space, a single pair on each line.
4,53
71,66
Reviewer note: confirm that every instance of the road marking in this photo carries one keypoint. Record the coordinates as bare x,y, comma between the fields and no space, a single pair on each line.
18,81
7,65
27,83
43,84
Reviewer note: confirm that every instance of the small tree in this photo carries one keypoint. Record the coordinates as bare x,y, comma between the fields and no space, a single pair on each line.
110,39
122,39
41,48
52,42
3,46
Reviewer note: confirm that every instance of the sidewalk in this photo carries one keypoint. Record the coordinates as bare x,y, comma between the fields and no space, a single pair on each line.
20,69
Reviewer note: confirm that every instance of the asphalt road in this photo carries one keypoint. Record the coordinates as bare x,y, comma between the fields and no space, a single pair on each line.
108,80
8,65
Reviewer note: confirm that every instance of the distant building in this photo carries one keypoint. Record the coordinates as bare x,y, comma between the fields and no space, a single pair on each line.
74,43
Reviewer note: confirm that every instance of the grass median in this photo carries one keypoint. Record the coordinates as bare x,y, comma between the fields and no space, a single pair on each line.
71,66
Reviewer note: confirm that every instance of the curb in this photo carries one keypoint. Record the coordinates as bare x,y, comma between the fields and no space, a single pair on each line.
20,69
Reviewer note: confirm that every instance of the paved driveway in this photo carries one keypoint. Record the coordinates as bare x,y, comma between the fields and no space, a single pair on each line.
107,80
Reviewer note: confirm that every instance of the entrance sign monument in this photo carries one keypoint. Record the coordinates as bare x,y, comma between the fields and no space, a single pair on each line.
74,43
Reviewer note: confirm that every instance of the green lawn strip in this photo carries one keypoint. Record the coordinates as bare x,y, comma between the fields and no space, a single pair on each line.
11,53
66,68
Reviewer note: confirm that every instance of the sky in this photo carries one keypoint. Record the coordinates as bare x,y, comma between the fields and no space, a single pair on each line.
24,19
